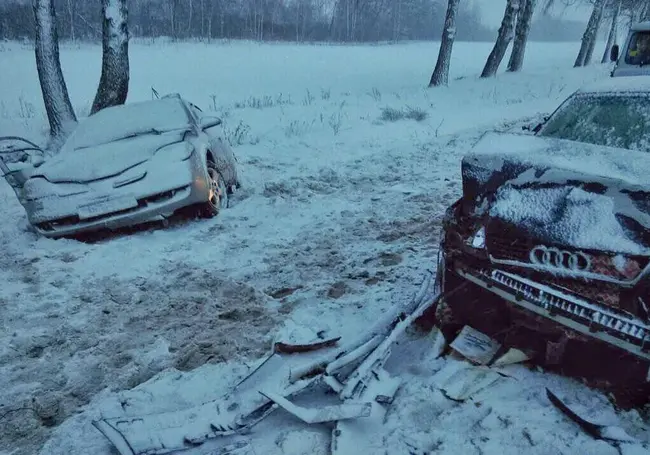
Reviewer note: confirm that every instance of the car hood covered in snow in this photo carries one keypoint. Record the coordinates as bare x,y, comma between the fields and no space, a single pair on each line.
106,160
562,192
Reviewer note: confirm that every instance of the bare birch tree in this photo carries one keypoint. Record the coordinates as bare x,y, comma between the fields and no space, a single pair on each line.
114,82
522,30
60,114
503,39
440,74
589,36
613,30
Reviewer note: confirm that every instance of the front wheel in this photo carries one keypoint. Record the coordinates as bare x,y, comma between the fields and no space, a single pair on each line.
217,195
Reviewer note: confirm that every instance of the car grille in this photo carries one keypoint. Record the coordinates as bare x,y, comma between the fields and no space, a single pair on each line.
597,291
631,330
505,242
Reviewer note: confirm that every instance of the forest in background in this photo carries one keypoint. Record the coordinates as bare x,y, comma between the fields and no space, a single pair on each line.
276,20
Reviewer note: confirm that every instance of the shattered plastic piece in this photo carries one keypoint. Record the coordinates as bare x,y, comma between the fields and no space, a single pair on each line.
477,380
237,412
371,382
511,357
605,432
178,430
323,414
439,344
242,447
382,329
460,380
475,346
287,348
334,384
354,355
359,435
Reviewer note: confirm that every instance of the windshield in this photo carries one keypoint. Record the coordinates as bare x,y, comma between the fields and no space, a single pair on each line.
611,120
638,52
128,120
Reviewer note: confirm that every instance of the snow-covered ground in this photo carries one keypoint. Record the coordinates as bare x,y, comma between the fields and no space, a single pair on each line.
338,219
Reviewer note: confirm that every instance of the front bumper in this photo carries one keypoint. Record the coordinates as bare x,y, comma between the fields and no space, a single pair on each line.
581,317
59,216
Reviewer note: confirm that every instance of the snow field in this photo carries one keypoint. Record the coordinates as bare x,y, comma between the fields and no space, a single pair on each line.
338,219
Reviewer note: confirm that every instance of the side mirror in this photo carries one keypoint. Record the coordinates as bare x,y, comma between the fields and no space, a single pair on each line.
613,54
209,122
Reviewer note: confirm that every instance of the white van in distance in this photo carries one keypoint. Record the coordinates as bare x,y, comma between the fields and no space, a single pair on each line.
635,59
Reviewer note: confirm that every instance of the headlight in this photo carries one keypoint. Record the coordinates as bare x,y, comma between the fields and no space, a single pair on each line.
478,239
39,188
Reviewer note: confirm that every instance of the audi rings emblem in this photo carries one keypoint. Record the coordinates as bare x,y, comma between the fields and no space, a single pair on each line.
560,259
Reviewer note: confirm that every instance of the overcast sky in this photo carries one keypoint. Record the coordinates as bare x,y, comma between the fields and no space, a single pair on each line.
493,11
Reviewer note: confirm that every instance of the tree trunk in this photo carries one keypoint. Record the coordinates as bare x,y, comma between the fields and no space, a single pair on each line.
298,7
440,74
210,13
645,12
592,43
202,19
114,82
589,37
521,36
503,39
172,17
71,11
59,110
611,38
190,17
222,22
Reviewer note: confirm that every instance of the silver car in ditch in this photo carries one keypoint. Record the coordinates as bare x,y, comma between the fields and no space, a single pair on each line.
123,166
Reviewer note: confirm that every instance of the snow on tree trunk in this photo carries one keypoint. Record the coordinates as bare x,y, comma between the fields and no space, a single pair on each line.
592,43
114,82
589,37
59,110
611,38
440,74
521,35
503,39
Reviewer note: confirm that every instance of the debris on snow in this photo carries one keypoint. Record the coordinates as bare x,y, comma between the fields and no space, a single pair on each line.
605,432
475,346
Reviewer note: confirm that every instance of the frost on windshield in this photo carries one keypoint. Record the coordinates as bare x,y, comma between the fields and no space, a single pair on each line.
612,120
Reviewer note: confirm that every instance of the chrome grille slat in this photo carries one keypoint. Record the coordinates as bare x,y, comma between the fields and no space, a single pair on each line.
583,311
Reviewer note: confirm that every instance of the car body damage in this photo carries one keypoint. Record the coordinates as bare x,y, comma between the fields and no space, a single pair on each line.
127,165
550,244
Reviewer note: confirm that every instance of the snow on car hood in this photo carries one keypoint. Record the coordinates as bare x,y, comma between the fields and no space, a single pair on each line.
564,192
93,163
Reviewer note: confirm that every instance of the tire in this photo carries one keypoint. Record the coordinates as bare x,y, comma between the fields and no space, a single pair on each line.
218,196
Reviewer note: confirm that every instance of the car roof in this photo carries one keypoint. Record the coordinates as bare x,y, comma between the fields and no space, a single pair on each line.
641,27
624,85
